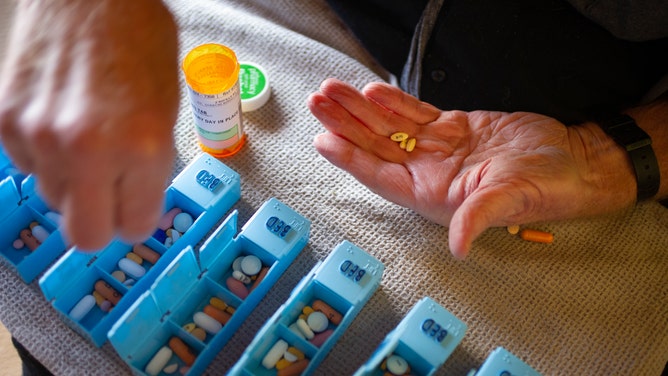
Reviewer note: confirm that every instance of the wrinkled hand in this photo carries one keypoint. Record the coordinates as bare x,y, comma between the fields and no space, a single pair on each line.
88,100
468,171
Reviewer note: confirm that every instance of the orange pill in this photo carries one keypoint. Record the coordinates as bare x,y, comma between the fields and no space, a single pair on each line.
146,253
182,350
295,368
260,277
216,314
28,239
536,236
107,292
334,316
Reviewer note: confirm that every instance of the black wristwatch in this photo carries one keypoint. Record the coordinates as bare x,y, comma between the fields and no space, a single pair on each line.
624,130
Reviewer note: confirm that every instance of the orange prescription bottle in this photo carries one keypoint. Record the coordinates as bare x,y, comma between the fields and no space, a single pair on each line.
212,74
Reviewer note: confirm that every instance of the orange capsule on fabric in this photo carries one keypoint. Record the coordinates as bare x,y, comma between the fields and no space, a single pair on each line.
536,236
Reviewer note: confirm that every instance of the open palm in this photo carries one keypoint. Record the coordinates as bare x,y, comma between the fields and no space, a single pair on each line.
468,171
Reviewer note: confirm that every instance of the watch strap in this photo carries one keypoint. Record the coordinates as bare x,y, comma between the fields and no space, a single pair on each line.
638,144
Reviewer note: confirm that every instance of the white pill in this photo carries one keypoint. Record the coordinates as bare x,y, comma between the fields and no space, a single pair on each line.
82,307
129,282
175,235
54,217
251,265
171,368
317,321
305,329
18,244
131,268
168,242
236,265
159,361
241,276
40,233
206,322
396,365
290,357
275,354
182,222
295,329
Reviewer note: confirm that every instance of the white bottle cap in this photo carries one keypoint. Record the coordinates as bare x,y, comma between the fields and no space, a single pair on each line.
254,85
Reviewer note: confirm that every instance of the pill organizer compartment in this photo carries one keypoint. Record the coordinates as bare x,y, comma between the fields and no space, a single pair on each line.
502,362
345,280
19,207
275,234
424,339
206,188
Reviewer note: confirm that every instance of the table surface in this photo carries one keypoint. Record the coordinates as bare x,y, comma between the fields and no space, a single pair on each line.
594,302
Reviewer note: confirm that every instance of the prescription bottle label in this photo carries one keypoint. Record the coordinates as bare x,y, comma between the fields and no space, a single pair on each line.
217,117
212,75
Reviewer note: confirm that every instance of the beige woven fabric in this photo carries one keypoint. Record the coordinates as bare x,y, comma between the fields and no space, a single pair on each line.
595,302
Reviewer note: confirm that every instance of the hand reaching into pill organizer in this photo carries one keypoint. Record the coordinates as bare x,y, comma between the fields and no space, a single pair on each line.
469,170
88,100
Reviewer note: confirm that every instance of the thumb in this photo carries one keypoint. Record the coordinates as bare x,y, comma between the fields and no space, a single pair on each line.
478,212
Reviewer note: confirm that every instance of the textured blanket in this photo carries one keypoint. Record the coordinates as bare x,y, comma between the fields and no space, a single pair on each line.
595,302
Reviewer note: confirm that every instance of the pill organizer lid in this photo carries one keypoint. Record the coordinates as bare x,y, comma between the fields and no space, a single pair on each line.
278,244
254,86
500,360
414,336
215,182
219,239
9,197
330,274
176,280
65,272
145,315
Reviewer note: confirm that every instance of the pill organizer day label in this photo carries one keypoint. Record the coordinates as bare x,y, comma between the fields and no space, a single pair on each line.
434,330
217,116
278,227
352,270
208,180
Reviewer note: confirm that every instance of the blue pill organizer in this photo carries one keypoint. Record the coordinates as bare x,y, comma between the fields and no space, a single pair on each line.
20,205
421,343
275,234
502,362
344,281
206,189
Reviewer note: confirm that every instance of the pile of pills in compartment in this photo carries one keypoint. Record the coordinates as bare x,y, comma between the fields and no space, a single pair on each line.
286,359
104,295
172,225
247,273
161,360
210,320
35,234
313,323
395,365
131,267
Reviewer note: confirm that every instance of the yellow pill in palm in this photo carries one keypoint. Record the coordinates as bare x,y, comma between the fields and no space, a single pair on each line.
399,136
410,144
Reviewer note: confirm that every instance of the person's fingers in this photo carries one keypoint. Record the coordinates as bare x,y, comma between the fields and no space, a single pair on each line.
89,207
401,103
479,211
140,201
336,119
378,119
389,180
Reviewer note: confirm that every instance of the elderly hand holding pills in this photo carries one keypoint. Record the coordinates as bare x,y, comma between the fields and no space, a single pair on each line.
470,170
88,100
